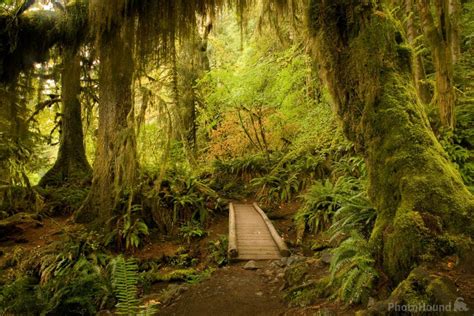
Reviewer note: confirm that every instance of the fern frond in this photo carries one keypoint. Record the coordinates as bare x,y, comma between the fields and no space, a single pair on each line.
124,280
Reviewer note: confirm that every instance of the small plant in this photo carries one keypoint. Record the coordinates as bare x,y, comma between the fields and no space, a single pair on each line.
192,230
218,251
183,258
320,203
124,280
343,206
352,272
65,277
129,230
201,276
357,214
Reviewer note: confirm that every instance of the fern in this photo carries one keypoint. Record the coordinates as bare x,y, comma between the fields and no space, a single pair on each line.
356,213
352,271
124,280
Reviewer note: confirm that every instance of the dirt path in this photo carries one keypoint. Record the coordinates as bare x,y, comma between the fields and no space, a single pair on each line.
233,290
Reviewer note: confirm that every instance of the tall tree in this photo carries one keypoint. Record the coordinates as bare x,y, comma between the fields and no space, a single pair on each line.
192,61
71,164
420,197
419,75
115,165
443,37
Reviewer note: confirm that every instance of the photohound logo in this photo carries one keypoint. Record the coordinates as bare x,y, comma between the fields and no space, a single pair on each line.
457,306
460,306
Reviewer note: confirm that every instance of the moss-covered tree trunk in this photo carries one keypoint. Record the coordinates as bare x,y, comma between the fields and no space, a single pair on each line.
115,165
423,206
419,75
443,38
71,164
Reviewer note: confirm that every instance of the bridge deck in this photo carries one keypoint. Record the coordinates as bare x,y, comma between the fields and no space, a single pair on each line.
253,236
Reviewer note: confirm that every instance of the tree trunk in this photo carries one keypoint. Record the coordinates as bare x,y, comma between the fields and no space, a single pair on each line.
193,62
443,40
71,164
115,165
421,200
419,75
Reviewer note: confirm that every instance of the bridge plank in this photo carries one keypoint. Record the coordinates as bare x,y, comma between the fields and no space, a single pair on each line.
253,238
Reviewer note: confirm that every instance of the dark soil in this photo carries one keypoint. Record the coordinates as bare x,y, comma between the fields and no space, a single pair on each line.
231,291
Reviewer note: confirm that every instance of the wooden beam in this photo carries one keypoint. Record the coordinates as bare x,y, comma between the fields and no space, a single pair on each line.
232,248
284,251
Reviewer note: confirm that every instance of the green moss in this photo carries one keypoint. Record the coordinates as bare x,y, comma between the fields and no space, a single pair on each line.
409,239
63,200
306,294
422,288
419,195
175,275
296,274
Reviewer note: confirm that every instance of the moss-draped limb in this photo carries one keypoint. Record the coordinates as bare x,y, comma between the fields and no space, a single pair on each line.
422,202
26,39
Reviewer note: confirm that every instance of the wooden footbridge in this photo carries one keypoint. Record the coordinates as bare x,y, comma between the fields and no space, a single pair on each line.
252,235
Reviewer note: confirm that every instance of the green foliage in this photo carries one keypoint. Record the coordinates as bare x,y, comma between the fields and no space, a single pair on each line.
352,273
125,280
129,230
20,296
68,277
320,203
276,188
63,200
76,276
459,144
201,276
245,167
192,230
183,197
218,251
338,207
324,199
356,213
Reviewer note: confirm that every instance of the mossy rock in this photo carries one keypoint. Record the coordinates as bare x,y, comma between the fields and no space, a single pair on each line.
420,288
175,275
296,274
307,293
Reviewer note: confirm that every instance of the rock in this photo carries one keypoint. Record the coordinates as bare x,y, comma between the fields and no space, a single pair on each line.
296,274
283,261
276,264
268,273
294,259
326,256
280,275
251,265
259,293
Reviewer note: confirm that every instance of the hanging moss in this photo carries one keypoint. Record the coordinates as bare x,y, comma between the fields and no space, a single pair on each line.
27,39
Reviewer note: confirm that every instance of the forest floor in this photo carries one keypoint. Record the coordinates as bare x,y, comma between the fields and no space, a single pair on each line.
232,289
